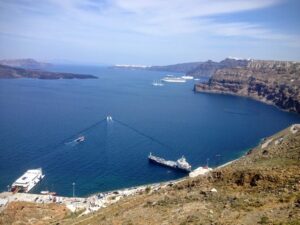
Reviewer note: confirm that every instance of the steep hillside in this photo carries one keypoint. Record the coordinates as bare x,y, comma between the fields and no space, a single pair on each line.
30,213
260,188
263,187
272,82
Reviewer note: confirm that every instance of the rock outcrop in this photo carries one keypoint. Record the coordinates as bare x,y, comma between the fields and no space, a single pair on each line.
272,82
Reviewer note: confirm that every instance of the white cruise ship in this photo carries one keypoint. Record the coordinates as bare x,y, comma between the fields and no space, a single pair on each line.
28,180
187,77
173,79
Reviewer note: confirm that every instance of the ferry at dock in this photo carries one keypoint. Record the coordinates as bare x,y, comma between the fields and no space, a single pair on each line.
180,164
28,180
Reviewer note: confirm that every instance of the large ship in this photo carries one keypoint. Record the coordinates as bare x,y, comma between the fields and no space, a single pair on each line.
180,164
172,79
28,180
187,77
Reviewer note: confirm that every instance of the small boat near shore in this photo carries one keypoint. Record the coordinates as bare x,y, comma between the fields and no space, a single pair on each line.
180,164
157,83
47,193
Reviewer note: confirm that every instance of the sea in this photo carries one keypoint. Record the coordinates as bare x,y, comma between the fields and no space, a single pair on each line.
41,119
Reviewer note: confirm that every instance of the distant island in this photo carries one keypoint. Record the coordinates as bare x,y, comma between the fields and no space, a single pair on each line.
25,63
195,69
12,72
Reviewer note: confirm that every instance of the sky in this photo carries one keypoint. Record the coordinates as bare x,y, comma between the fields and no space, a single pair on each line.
149,32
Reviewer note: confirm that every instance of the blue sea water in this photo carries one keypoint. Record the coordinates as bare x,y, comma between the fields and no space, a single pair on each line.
39,119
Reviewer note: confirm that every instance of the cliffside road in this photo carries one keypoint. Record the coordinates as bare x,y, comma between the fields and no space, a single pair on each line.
272,82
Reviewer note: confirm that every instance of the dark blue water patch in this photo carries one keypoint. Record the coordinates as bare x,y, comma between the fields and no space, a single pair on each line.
39,118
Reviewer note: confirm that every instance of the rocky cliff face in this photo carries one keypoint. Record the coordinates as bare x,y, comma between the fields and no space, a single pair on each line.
272,82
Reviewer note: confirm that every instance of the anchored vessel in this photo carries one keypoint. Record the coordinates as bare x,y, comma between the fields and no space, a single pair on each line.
180,164
172,79
28,180
157,83
187,77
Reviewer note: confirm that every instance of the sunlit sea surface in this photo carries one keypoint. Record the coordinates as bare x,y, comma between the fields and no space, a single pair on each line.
40,119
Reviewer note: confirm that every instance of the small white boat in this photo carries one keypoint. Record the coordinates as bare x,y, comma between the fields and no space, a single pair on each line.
80,139
47,193
157,83
109,119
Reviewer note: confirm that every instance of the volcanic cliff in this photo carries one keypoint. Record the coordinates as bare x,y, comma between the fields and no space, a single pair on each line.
272,82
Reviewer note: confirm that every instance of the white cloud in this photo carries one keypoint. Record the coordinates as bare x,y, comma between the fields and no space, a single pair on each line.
91,22
155,17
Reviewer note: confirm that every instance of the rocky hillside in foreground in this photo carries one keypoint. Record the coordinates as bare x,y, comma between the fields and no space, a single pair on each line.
9,72
272,82
261,188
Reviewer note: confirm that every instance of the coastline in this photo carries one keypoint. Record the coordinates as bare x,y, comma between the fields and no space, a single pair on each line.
100,200
244,96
